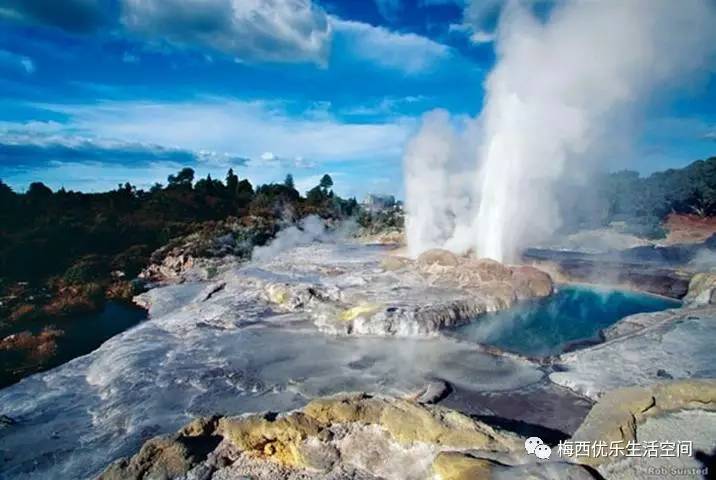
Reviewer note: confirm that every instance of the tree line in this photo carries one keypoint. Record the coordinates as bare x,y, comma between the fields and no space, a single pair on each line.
642,203
43,232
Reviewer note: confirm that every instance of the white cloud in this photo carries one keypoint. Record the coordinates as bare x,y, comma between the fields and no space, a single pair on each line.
223,132
250,30
408,52
475,36
385,106
482,37
16,61
243,128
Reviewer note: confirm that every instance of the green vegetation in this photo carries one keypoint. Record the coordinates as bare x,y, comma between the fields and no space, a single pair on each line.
59,239
641,204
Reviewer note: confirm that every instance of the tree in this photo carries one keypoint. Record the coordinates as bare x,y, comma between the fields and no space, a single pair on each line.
185,177
38,190
326,183
5,190
289,181
316,196
244,192
7,196
232,181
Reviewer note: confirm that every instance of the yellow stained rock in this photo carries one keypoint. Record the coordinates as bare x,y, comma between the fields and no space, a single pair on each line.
352,313
701,288
277,293
345,409
458,466
409,422
278,439
617,415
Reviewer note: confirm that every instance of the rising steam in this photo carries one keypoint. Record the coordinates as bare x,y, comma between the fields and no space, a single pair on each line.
556,103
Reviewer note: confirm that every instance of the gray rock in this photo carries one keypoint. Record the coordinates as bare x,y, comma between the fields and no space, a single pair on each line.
435,391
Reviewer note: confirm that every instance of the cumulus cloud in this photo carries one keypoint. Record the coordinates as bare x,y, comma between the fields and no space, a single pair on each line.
408,52
77,16
242,127
271,160
214,134
250,30
475,36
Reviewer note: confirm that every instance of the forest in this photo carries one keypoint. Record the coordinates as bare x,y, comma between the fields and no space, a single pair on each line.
641,203
63,252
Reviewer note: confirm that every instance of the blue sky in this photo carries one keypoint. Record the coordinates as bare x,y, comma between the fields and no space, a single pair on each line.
98,92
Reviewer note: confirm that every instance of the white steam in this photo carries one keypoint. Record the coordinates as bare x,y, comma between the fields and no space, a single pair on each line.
556,103
310,229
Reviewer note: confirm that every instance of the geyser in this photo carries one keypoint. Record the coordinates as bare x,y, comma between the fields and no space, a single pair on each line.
555,105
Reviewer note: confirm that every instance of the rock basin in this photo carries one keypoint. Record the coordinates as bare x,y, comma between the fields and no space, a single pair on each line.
379,295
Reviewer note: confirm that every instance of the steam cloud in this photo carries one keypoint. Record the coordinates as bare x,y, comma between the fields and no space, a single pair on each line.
556,103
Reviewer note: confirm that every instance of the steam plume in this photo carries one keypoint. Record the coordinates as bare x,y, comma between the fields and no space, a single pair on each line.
554,101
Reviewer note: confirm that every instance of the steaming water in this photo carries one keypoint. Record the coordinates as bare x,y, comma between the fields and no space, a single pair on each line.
560,103
572,315
226,354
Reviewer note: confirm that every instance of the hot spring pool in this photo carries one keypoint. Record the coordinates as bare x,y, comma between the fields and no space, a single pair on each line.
572,314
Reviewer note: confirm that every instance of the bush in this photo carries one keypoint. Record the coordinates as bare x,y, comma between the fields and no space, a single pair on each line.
91,268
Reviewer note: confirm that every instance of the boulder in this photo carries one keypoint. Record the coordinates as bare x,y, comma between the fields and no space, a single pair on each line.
393,262
437,256
434,391
530,282
701,289
486,270
168,457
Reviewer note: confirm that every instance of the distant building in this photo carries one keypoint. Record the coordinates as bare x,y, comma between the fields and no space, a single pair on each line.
374,202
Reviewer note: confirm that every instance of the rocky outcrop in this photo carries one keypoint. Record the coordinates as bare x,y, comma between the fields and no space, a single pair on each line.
437,257
407,298
629,420
614,269
617,415
169,456
347,436
383,226
642,350
199,254
702,290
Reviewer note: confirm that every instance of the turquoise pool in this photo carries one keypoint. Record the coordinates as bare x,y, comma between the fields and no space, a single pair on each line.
572,315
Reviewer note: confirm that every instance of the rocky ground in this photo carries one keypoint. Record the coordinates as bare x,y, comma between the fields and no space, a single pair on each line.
316,315
360,436
396,296
651,379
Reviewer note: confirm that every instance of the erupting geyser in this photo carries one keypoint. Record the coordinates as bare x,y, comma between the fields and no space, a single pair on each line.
556,104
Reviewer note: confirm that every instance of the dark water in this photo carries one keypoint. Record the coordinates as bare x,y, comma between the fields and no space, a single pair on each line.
546,326
81,335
